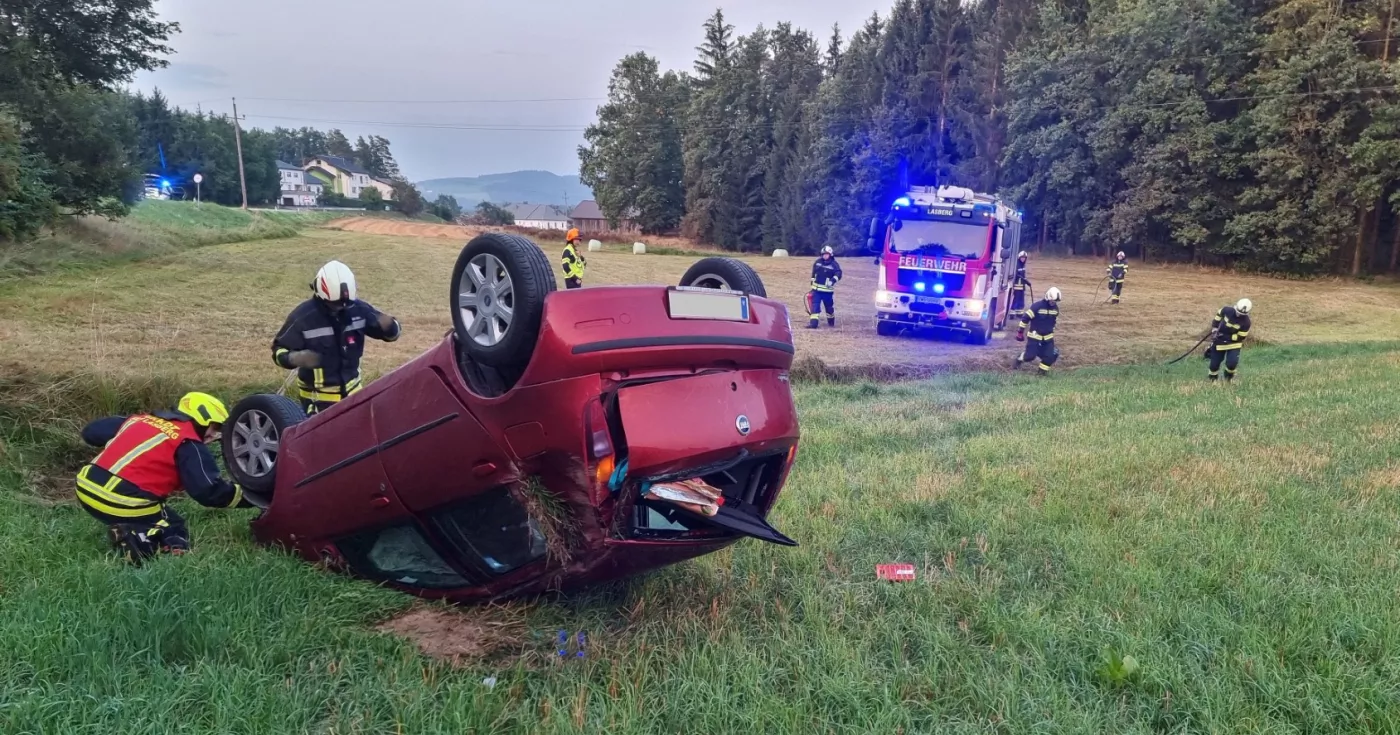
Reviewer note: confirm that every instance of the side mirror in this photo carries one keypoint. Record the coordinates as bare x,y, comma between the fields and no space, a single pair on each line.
870,245
1006,253
874,224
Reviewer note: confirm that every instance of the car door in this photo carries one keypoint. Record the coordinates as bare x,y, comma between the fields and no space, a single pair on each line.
454,477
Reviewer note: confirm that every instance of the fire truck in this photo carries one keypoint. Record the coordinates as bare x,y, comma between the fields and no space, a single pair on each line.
945,256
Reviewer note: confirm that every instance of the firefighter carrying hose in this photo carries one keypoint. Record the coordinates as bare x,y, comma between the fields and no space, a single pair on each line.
1117,273
1020,284
573,262
826,272
1041,340
145,459
324,338
1229,328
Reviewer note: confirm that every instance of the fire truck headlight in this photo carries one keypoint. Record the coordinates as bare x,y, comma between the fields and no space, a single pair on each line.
976,305
884,298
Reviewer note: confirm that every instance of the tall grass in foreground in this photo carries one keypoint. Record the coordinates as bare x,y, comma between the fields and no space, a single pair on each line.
1107,550
152,228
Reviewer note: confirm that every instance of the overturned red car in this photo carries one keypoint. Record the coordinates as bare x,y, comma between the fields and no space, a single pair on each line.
546,443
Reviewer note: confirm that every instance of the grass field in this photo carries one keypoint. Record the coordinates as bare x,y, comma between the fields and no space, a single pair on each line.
1120,548
212,311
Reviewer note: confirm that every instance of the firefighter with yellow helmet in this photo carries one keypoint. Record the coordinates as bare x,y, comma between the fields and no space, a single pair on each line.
573,262
146,458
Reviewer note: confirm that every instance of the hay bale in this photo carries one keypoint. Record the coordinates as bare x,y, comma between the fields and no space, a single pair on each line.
639,248
780,253
594,246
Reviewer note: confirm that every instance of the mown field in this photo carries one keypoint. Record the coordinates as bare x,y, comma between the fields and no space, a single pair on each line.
1120,548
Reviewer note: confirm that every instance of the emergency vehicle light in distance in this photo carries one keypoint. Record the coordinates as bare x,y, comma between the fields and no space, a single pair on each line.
902,202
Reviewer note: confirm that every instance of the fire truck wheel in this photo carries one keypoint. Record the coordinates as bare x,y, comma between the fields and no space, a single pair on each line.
886,329
981,333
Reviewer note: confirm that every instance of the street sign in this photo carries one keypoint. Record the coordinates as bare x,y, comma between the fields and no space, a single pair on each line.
198,178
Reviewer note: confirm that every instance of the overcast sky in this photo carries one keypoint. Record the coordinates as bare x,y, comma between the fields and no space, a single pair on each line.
438,66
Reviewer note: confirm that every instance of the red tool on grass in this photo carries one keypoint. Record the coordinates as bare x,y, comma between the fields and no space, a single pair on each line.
895,572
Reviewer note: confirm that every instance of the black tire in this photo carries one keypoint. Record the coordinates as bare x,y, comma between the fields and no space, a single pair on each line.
253,421
886,329
504,343
725,274
982,333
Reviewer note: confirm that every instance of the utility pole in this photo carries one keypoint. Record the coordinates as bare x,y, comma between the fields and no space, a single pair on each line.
238,141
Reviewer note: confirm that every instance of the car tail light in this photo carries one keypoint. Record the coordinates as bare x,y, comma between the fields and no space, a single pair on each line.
600,446
595,424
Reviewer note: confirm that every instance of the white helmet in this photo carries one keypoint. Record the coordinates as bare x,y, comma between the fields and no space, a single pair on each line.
1020,255
334,282
828,251
1052,294
1122,255
1243,306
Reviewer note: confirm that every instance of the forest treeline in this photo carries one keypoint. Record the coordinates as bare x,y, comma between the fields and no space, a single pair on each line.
1262,134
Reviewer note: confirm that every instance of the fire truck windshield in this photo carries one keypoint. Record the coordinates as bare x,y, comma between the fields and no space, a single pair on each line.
940,238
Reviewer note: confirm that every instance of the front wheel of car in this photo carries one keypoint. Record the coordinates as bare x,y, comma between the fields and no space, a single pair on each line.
498,289
725,274
252,439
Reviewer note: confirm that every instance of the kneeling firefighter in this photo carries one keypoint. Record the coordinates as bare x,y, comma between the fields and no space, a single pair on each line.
826,272
1230,327
1041,319
323,338
145,459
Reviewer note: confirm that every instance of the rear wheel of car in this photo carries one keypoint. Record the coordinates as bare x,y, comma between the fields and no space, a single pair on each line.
252,439
725,274
498,290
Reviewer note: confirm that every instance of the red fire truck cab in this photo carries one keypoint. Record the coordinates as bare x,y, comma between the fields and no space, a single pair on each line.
946,262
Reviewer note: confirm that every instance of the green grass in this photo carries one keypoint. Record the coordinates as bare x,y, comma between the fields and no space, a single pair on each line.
152,228
1236,543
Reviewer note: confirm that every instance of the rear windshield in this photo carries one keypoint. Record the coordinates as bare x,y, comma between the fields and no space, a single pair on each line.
940,238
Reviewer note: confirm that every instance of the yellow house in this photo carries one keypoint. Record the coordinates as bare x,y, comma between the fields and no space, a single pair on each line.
340,175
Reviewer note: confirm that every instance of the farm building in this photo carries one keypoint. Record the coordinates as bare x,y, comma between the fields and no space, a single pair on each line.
588,218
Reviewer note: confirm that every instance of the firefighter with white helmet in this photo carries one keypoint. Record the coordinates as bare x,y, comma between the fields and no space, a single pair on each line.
1229,329
826,272
1117,273
1040,342
324,337
1020,285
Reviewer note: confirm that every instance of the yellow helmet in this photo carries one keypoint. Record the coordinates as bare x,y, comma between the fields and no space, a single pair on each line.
203,408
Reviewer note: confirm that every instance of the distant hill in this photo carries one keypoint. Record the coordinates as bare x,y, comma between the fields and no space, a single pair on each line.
520,186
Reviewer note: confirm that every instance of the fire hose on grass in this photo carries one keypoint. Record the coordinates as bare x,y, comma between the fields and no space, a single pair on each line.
1207,336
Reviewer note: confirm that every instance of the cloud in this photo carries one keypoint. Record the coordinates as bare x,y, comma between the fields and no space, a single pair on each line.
196,76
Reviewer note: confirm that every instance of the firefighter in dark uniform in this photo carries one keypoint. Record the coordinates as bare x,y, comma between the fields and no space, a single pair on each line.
147,458
1040,342
1230,327
826,272
1020,285
1117,273
573,262
324,338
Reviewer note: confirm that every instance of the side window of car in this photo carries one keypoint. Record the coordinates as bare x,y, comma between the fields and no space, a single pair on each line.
399,554
490,532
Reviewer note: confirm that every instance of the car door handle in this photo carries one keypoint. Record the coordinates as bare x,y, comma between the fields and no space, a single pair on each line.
379,501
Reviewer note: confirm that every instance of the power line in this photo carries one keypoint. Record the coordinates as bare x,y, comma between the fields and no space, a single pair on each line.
429,102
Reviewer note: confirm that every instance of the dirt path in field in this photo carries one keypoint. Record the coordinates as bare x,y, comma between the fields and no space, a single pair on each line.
372,226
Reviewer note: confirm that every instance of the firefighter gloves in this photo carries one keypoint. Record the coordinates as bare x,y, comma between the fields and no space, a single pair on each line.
304,359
